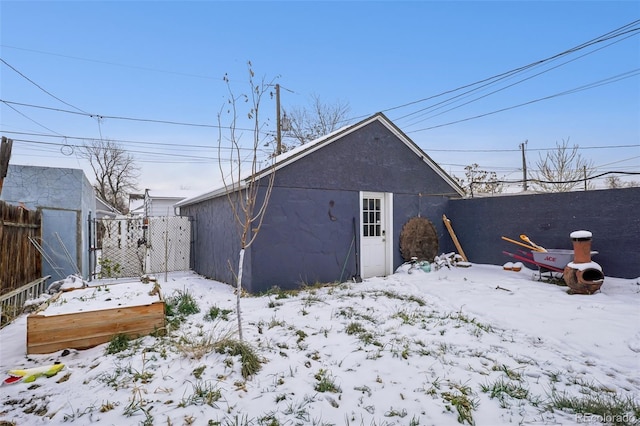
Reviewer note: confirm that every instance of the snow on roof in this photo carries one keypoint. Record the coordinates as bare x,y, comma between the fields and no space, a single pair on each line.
173,193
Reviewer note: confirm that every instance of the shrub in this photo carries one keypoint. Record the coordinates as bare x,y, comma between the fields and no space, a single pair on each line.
251,362
216,312
119,343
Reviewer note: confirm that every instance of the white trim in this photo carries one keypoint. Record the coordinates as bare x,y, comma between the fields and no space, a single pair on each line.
388,205
387,198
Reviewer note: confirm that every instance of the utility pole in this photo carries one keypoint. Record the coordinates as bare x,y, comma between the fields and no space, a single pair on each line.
278,125
584,171
524,166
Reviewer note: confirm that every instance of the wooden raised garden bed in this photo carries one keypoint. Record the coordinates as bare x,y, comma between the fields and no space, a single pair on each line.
83,318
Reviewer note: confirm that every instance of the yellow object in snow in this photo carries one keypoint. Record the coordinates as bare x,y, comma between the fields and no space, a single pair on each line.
29,375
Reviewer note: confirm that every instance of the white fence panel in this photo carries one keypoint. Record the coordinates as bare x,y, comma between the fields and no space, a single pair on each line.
169,244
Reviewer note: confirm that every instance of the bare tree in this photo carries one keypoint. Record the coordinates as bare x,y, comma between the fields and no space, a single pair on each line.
307,124
115,171
614,182
563,169
477,181
248,192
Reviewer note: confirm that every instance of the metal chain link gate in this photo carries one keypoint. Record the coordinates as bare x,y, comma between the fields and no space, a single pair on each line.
131,247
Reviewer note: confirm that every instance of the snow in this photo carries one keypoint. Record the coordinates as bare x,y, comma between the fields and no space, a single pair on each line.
100,297
68,283
580,235
398,350
584,266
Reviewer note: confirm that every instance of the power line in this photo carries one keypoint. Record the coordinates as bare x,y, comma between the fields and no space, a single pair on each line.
126,141
615,33
627,29
170,154
619,161
40,87
588,178
592,85
529,149
112,63
30,119
467,94
113,117
609,80
208,147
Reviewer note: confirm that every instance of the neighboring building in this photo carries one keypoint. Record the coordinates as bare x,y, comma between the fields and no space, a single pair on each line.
105,210
157,203
67,201
369,173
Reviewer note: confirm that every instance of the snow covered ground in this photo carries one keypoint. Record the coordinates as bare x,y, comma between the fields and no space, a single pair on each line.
475,345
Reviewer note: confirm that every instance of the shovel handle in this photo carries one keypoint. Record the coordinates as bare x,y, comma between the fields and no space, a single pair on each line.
521,244
526,239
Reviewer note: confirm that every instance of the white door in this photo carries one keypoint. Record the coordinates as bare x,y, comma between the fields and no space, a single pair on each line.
374,235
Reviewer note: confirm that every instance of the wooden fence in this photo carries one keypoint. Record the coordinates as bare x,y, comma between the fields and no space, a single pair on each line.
20,260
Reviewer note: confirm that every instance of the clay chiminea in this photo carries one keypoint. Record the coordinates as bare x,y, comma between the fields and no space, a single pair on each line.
583,276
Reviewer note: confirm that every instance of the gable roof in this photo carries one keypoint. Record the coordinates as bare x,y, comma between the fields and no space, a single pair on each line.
105,208
302,151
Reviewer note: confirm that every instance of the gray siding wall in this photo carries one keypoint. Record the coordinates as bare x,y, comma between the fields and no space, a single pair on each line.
304,240
66,197
548,219
216,241
308,236
299,243
371,159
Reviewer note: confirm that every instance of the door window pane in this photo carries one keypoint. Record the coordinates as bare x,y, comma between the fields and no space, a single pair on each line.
371,217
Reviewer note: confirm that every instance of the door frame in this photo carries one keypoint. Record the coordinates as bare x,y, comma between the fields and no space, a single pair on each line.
387,198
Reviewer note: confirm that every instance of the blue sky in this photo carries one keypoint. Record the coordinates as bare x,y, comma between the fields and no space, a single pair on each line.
164,61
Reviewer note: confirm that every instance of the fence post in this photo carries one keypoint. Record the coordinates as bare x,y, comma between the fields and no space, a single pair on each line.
90,248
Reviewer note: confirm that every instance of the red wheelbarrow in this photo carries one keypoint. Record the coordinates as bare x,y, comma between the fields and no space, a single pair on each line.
550,260
547,260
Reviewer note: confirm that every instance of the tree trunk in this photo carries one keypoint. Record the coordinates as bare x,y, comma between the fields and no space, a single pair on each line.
239,293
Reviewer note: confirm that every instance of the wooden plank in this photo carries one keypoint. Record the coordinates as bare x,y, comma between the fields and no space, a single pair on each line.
82,330
447,223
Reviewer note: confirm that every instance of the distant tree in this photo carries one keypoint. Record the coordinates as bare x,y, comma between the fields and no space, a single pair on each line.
306,124
115,171
477,181
613,182
562,169
247,193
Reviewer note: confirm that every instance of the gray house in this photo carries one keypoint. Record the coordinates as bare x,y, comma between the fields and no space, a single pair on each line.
66,199
369,173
